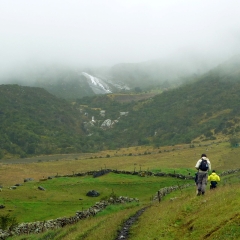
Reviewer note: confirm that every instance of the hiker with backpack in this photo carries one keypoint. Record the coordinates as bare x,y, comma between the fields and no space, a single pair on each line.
203,166
214,179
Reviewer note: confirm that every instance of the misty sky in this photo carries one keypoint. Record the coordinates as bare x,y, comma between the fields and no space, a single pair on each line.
106,32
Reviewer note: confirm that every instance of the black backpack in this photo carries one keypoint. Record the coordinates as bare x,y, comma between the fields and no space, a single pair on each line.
203,165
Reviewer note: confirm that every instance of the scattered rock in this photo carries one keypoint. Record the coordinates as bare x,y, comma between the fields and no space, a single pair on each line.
93,193
41,188
124,232
28,179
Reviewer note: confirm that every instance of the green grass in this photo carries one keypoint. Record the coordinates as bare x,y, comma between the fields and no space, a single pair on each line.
102,226
27,203
181,215
182,171
213,216
180,218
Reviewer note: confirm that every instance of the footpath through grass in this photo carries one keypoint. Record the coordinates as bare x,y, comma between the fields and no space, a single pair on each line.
183,215
62,195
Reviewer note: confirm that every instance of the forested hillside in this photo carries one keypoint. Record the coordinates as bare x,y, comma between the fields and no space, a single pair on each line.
34,122
206,106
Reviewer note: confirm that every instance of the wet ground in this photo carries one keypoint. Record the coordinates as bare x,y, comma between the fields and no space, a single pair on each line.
124,232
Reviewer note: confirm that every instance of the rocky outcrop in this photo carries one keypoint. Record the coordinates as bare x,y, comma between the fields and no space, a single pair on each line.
108,123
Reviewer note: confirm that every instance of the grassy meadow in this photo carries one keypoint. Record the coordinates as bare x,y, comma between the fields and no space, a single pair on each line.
185,216
64,196
181,158
166,220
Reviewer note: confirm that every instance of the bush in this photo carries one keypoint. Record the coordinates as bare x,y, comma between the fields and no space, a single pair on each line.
111,195
7,222
234,141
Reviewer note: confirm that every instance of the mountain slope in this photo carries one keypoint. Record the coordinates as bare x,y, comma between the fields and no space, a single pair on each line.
58,80
170,72
73,83
36,122
206,106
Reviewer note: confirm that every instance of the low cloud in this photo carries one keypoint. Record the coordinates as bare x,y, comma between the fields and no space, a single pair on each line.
103,32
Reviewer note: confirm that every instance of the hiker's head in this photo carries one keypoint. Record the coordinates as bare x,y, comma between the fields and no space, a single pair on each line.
204,155
213,171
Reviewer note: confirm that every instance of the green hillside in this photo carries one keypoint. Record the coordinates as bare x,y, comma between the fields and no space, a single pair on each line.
36,122
205,107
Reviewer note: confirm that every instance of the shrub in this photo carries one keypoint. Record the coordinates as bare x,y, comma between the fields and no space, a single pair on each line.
234,141
111,195
6,221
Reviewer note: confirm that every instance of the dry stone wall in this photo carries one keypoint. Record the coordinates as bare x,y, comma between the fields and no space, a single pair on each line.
139,173
42,226
229,172
166,190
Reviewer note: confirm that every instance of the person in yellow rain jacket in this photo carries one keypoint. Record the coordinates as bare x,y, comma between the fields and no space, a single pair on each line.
214,179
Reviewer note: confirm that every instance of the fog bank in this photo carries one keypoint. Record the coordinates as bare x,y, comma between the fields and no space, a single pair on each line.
104,33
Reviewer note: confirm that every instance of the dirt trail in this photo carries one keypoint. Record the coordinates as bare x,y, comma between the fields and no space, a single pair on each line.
124,232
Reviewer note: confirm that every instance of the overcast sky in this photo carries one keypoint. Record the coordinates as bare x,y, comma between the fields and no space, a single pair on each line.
106,32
